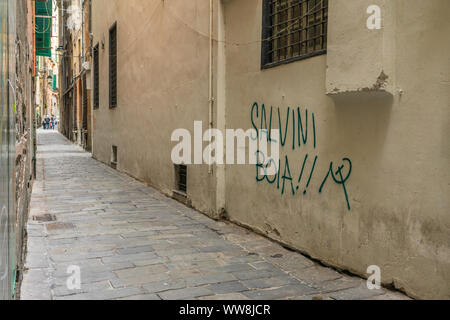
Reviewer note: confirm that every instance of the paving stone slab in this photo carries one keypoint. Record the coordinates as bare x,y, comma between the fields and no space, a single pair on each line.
226,297
265,283
258,274
227,287
108,294
148,297
209,279
133,250
184,294
280,293
356,293
165,285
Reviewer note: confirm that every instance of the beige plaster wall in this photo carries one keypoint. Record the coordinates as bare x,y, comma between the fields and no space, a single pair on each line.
163,50
398,144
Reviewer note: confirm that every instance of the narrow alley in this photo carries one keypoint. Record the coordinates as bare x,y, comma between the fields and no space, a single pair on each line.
131,242
224,150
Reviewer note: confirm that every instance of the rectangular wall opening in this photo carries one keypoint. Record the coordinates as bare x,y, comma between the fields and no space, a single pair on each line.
181,178
114,157
113,66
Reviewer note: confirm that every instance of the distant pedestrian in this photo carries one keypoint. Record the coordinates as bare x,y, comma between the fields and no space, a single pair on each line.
47,122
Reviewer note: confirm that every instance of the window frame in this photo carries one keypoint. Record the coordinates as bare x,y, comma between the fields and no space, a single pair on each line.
113,67
90,16
266,32
181,172
96,77
85,103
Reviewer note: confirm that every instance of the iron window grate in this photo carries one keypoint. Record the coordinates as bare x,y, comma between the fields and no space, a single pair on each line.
293,30
90,16
96,78
85,103
113,66
74,107
181,178
114,158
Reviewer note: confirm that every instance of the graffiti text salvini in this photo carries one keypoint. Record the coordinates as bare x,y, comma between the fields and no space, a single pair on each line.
300,125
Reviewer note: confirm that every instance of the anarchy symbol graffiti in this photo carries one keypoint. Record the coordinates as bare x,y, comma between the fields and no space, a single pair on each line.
338,177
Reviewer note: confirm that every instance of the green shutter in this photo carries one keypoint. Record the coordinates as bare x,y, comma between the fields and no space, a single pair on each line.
44,28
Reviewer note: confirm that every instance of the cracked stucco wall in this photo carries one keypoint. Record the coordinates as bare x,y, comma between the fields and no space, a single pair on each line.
380,98
24,125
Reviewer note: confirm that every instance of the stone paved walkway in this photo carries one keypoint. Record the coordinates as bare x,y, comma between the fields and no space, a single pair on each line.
131,242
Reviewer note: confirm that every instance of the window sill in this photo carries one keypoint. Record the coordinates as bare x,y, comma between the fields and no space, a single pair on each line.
290,60
180,193
181,197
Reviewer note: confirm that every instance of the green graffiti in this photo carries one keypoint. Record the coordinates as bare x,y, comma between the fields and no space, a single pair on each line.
264,124
260,166
299,125
304,134
342,180
302,130
311,174
253,123
287,177
303,168
283,141
314,129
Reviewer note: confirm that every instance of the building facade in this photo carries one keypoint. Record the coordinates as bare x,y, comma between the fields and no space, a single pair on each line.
358,90
18,139
75,68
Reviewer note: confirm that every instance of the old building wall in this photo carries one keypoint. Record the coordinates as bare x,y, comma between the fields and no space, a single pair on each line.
70,69
17,137
87,52
25,126
163,63
394,134
376,102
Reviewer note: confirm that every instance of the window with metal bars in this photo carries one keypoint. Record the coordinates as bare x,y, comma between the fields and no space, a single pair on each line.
96,78
113,66
181,178
293,30
85,103
74,107
90,16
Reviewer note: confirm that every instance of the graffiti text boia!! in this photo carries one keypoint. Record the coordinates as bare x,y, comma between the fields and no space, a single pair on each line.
300,125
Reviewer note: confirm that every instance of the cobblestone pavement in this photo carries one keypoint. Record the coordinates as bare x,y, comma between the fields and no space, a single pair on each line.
131,242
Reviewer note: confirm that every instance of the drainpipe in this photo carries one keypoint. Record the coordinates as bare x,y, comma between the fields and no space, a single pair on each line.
220,106
83,60
210,95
